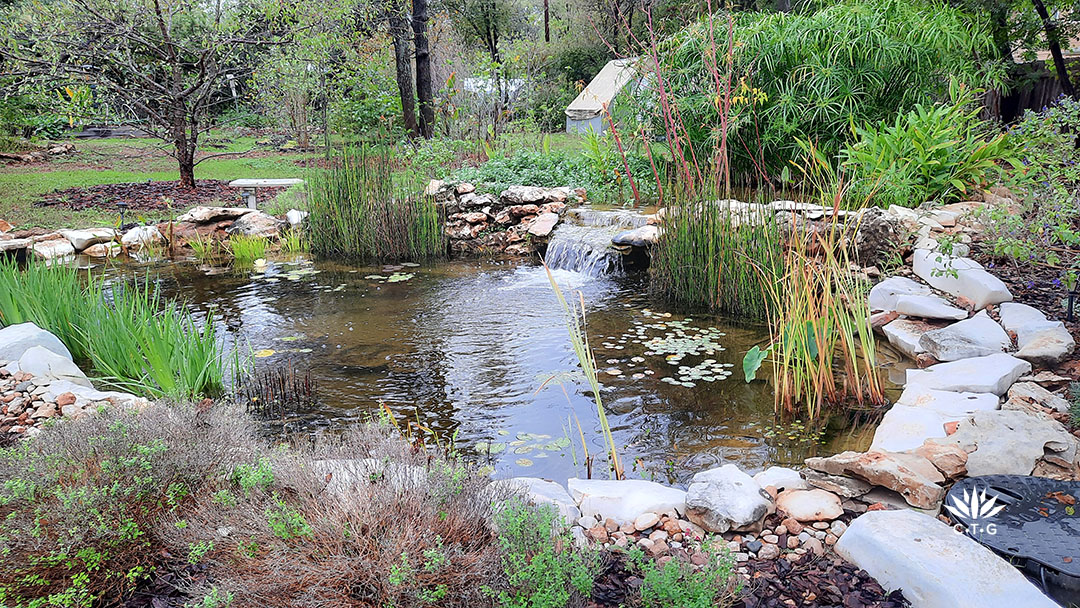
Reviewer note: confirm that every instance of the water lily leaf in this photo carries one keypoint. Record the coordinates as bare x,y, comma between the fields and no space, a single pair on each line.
262,354
524,462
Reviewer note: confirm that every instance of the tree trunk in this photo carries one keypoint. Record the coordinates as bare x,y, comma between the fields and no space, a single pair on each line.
1054,45
547,22
185,157
399,32
783,6
423,68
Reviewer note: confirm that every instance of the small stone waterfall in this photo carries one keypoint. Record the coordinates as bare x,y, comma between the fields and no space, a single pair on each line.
583,242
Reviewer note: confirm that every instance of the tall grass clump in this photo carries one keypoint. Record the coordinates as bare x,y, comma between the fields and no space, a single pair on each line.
136,340
246,249
360,211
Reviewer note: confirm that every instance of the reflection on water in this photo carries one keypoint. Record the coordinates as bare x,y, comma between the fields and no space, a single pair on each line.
465,347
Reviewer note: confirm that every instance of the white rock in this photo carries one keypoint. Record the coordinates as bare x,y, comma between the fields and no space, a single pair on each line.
544,492
257,224
929,307
883,295
948,403
623,500
960,276
434,187
906,427
1030,391
725,498
44,364
208,215
1011,442
8,245
142,235
810,505
904,335
975,337
55,249
295,217
781,478
85,395
17,339
81,239
1045,343
1014,315
990,374
934,565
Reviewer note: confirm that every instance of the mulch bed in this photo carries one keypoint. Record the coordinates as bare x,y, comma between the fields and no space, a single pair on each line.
150,196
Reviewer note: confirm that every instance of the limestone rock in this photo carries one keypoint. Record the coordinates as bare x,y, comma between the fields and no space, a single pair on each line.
1015,315
1009,442
142,235
17,339
928,307
948,403
210,215
848,487
257,224
103,250
950,459
523,195
82,396
989,374
975,337
1034,393
933,565
53,250
905,427
345,475
543,224
905,334
81,239
7,245
44,365
544,492
624,500
295,217
725,498
642,236
810,505
1046,343
883,295
912,476
962,277
781,478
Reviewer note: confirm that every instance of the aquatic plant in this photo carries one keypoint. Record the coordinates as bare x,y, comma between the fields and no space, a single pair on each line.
579,340
360,210
293,241
205,248
136,340
246,249
277,392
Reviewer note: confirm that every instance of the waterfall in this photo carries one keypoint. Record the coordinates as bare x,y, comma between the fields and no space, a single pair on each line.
582,243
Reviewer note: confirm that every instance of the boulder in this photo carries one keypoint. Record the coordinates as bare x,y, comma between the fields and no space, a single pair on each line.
85,396
912,476
1010,442
55,249
544,223
295,217
142,235
928,307
781,478
17,339
103,250
523,195
642,236
989,374
725,498
625,499
1046,343
975,337
257,224
876,237
932,564
45,365
905,334
545,492
848,487
961,277
883,295
810,505
209,215
81,239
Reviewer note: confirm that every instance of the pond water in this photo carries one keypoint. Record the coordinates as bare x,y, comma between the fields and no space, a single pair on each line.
479,351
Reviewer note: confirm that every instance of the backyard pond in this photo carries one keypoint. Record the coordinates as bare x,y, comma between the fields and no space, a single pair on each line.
478,351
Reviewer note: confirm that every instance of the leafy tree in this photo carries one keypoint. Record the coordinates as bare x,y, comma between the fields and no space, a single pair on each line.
162,61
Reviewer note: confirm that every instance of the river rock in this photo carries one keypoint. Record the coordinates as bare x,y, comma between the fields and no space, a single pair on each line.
725,498
544,492
848,487
543,224
17,339
642,236
961,277
623,500
45,365
928,307
781,478
55,249
1010,442
883,295
810,505
905,334
1046,343
934,566
81,239
257,224
975,337
912,476
523,195
989,374
142,235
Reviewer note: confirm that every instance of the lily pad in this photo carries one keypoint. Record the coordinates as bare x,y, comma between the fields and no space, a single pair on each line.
262,354
524,462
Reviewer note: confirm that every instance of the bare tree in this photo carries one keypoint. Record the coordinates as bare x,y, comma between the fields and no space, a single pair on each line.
165,62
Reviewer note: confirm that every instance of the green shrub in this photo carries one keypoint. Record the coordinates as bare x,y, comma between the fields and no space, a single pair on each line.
932,153
677,583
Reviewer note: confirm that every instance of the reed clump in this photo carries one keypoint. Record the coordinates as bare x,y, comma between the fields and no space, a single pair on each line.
246,249
361,210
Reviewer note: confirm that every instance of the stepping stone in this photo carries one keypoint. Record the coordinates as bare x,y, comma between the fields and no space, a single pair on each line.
1014,315
883,295
624,500
934,565
725,498
989,374
1010,442
1029,391
904,334
962,277
948,403
905,427
975,337
929,307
